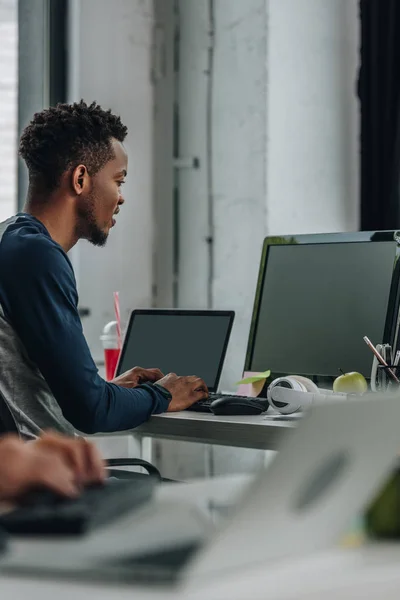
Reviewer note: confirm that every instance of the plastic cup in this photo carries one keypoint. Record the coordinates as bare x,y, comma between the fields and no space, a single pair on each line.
109,339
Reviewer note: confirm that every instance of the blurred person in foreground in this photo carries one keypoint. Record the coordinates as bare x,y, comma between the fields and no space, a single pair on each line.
77,166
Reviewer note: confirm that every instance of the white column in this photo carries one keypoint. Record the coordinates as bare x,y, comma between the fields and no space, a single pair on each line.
312,168
285,149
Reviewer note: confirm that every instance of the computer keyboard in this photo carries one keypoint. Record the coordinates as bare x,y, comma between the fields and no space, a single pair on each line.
201,406
205,405
44,513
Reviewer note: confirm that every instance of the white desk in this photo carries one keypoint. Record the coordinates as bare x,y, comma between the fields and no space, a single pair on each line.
367,573
364,574
261,432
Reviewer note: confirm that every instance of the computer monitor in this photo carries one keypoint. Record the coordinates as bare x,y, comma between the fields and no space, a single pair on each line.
185,342
317,296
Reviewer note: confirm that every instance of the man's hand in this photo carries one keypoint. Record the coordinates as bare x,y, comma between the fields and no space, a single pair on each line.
185,391
60,464
136,376
82,456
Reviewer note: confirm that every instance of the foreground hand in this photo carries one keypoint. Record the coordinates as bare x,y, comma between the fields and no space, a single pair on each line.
82,456
185,391
136,376
57,463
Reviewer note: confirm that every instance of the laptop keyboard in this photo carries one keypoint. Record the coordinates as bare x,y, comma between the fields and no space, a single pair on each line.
44,513
205,405
160,566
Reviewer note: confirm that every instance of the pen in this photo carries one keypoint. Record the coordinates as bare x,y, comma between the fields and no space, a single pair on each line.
380,358
397,359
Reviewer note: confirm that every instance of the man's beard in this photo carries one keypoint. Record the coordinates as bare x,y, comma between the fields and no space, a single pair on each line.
87,227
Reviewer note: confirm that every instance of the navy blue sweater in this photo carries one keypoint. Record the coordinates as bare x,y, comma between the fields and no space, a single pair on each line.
39,299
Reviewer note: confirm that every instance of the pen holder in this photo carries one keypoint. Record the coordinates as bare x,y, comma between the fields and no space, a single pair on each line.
384,366
393,368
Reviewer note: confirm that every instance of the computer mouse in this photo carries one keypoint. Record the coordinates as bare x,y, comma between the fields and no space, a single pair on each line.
235,405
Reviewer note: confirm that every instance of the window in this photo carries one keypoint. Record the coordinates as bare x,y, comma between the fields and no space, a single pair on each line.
8,106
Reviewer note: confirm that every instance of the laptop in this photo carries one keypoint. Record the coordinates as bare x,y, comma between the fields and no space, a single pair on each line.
185,342
326,471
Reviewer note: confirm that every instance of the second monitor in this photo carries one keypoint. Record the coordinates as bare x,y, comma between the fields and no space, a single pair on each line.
317,296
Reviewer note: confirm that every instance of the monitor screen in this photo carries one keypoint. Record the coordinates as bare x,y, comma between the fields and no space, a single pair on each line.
315,301
181,342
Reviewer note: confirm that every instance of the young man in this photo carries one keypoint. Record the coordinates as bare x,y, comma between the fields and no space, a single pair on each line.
77,166
58,463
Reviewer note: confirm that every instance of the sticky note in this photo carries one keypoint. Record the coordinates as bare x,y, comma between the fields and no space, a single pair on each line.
255,378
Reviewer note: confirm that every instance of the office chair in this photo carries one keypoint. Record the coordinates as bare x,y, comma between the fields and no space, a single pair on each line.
8,425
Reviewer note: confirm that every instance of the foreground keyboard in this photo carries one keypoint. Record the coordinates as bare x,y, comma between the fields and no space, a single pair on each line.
44,513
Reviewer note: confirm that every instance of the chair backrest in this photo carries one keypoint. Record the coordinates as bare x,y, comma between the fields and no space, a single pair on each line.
7,423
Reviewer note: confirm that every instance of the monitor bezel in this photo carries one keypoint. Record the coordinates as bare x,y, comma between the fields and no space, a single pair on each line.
230,314
392,319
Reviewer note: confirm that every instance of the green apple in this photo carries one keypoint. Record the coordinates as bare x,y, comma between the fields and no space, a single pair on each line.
350,383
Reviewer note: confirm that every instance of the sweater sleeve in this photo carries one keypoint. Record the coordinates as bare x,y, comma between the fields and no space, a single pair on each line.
40,300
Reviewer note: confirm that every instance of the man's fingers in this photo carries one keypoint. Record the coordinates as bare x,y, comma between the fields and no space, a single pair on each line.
53,473
79,454
71,452
63,483
196,381
157,373
200,385
151,374
75,456
200,393
95,467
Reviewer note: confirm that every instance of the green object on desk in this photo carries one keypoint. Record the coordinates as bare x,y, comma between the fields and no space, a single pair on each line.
350,383
382,519
254,378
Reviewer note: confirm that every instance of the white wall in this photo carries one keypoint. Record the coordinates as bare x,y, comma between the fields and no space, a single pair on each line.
285,137
284,140
285,153
240,149
312,116
111,49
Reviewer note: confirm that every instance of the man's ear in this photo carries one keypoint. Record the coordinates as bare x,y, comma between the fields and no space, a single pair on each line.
80,179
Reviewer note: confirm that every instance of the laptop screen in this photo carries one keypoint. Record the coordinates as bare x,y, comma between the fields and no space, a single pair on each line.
176,341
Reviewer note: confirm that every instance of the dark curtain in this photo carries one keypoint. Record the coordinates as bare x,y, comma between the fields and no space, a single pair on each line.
58,40
379,93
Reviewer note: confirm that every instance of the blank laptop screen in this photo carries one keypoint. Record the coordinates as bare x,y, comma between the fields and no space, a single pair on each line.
185,344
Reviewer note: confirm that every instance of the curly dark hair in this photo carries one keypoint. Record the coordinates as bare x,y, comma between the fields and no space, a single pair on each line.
62,137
